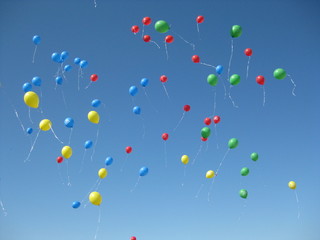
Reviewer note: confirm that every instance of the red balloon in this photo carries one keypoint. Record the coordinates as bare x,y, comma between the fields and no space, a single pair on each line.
133,238
146,20
216,119
94,77
204,139
135,29
59,159
146,38
260,80
207,121
163,78
186,108
128,149
169,39
195,58
248,52
165,136
200,19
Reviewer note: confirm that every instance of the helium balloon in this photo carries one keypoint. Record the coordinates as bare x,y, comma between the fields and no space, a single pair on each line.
144,82
143,171
186,108
95,103
59,80
136,110
109,161
133,90
279,73
94,117
69,122
55,57
244,171
88,144
67,68
234,79
76,204
204,139
248,52
292,185
219,69
59,159
135,29
163,78
128,149
77,61
254,156
29,130
64,55
185,159
162,26
27,87
102,173
94,77
133,238
83,64
243,193
260,80
95,198
212,79
66,152
235,31
195,59
216,119
169,39
233,143
200,19
205,132
31,99
146,20
210,174
165,136
45,125
36,39
36,81
146,38
207,121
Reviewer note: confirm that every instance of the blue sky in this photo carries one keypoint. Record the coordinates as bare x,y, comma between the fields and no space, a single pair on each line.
284,132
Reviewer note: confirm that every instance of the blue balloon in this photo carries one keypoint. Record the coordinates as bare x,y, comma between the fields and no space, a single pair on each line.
76,204
83,64
143,171
59,80
144,82
88,144
133,90
219,69
95,103
136,110
69,122
64,55
67,68
27,87
109,161
36,81
77,61
55,57
29,130
36,39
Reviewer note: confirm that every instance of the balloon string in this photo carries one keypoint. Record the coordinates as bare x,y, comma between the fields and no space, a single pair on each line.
70,136
210,189
224,86
191,44
34,53
264,95
243,209
294,85
231,99
182,117
17,115
214,102
142,32
145,92
79,78
135,186
64,99
297,199
155,44
230,58
1,203
143,127
88,85
68,175
29,113
94,148
248,67
207,146
165,89
198,28
208,65
121,170
60,174
195,158
165,154
82,162
197,195
224,157
55,134
32,147
98,224
165,45
184,175
216,133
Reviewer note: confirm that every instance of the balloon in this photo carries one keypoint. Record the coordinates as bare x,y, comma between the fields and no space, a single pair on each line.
248,52
254,156
219,69
212,79
200,19
95,198
45,125
55,57
36,39
29,130
243,193
102,173
27,87
233,143
292,185
76,204
162,26
77,61
95,103
210,174
216,119
207,121
69,122
185,159
136,110
260,80
143,171
83,64
204,139
169,39
144,82
147,38
234,79
236,31
146,20
128,149
133,90
195,58
186,108
67,68
135,29
165,136
94,117
94,77
88,144
205,132
163,78
64,55
244,171
109,161
279,73
31,99
36,81
66,152
59,159
59,80
133,238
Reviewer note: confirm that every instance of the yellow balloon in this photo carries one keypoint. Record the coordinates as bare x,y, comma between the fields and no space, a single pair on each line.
94,117
185,159
66,151
102,173
95,198
292,185
31,99
210,174
45,125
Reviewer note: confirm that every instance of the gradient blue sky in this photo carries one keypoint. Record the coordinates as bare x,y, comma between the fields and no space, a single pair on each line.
285,132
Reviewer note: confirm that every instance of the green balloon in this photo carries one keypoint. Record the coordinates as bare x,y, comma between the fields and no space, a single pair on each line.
254,156
236,31
234,79
205,132
243,193
244,171
212,79
162,26
279,73
233,143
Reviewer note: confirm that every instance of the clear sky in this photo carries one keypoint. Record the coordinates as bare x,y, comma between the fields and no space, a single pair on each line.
285,132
